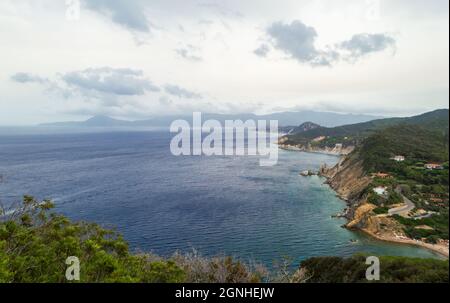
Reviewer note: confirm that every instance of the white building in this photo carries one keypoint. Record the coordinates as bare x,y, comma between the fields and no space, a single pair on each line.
399,158
380,190
432,166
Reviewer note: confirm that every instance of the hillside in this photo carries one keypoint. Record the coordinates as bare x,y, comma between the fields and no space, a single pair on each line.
427,143
354,134
377,186
304,127
395,270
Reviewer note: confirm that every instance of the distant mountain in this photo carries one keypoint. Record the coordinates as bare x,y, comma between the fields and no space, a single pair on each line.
307,126
97,121
353,134
285,119
325,119
105,121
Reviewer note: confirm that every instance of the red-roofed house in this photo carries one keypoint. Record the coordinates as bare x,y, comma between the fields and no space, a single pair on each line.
433,166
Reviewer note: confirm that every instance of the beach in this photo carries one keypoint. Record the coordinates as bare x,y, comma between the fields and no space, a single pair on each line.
441,249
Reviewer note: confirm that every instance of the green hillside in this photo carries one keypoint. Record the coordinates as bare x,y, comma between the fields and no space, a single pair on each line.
354,134
427,189
395,270
416,143
420,140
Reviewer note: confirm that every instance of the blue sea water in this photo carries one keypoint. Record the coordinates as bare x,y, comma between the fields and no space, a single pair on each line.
161,203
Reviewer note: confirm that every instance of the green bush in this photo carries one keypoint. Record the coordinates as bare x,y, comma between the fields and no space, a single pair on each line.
438,222
394,198
34,245
392,270
381,210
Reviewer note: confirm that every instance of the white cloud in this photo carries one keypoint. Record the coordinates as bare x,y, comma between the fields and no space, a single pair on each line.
130,14
110,81
299,42
221,51
28,78
180,92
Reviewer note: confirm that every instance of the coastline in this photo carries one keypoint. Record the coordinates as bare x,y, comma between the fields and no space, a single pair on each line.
311,151
440,249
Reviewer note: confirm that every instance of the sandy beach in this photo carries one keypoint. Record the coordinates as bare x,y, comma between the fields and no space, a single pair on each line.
438,248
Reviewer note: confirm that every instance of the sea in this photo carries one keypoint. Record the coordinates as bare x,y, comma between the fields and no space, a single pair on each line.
129,181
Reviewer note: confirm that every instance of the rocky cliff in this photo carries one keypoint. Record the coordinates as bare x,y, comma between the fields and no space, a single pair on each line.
350,181
348,178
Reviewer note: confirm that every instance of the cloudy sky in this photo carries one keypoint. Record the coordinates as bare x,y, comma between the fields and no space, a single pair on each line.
69,59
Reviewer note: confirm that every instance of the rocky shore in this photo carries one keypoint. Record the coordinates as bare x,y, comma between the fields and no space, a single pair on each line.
337,150
350,182
439,248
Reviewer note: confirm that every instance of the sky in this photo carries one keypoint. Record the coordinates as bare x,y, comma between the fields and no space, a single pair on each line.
132,59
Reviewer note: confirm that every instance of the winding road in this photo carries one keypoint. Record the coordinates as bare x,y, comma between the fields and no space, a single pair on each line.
402,210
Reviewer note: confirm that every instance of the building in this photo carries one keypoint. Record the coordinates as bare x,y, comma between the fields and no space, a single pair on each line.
380,190
433,166
381,175
398,158
318,139
436,200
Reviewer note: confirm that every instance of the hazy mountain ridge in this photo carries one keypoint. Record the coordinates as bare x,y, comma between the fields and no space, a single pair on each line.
291,119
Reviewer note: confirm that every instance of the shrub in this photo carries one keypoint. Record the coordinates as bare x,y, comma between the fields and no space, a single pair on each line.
34,245
392,270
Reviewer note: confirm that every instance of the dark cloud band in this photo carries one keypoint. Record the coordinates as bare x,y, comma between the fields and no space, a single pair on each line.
297,40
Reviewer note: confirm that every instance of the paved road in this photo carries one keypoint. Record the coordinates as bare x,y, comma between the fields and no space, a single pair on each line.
402,210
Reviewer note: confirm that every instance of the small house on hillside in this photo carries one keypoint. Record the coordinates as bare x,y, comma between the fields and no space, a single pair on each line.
381,175
380,190
433,166
319,139
436,200
398,158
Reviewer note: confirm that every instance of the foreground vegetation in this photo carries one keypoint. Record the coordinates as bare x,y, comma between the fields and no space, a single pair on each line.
393,270
35,242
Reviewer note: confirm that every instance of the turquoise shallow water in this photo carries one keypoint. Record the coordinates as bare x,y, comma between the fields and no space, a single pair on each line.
162,203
